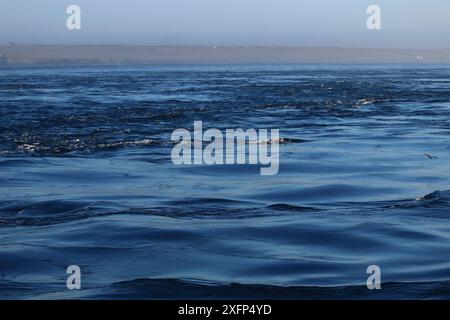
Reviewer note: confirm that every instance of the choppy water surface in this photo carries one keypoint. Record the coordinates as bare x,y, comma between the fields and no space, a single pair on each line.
86,178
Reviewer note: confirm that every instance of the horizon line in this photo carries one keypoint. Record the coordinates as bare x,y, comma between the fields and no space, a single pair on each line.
215,46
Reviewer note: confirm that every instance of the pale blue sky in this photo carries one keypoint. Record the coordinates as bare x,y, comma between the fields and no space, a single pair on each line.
406,23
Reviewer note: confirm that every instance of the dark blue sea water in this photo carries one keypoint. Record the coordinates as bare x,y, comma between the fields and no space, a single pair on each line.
86,179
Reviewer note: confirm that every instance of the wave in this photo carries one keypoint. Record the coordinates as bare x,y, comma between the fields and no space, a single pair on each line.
20,213
179,289
65,146
437,199
193,289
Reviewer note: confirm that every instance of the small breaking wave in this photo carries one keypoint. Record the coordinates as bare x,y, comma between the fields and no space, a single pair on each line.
436,199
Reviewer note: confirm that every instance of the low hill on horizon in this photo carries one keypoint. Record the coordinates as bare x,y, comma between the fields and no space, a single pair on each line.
61,55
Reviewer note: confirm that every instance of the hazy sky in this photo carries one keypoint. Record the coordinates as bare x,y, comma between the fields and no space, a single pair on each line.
406,23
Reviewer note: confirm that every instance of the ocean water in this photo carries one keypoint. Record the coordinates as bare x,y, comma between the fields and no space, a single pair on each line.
86,179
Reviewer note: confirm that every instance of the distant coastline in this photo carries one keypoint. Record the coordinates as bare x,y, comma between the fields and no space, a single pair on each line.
71,55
